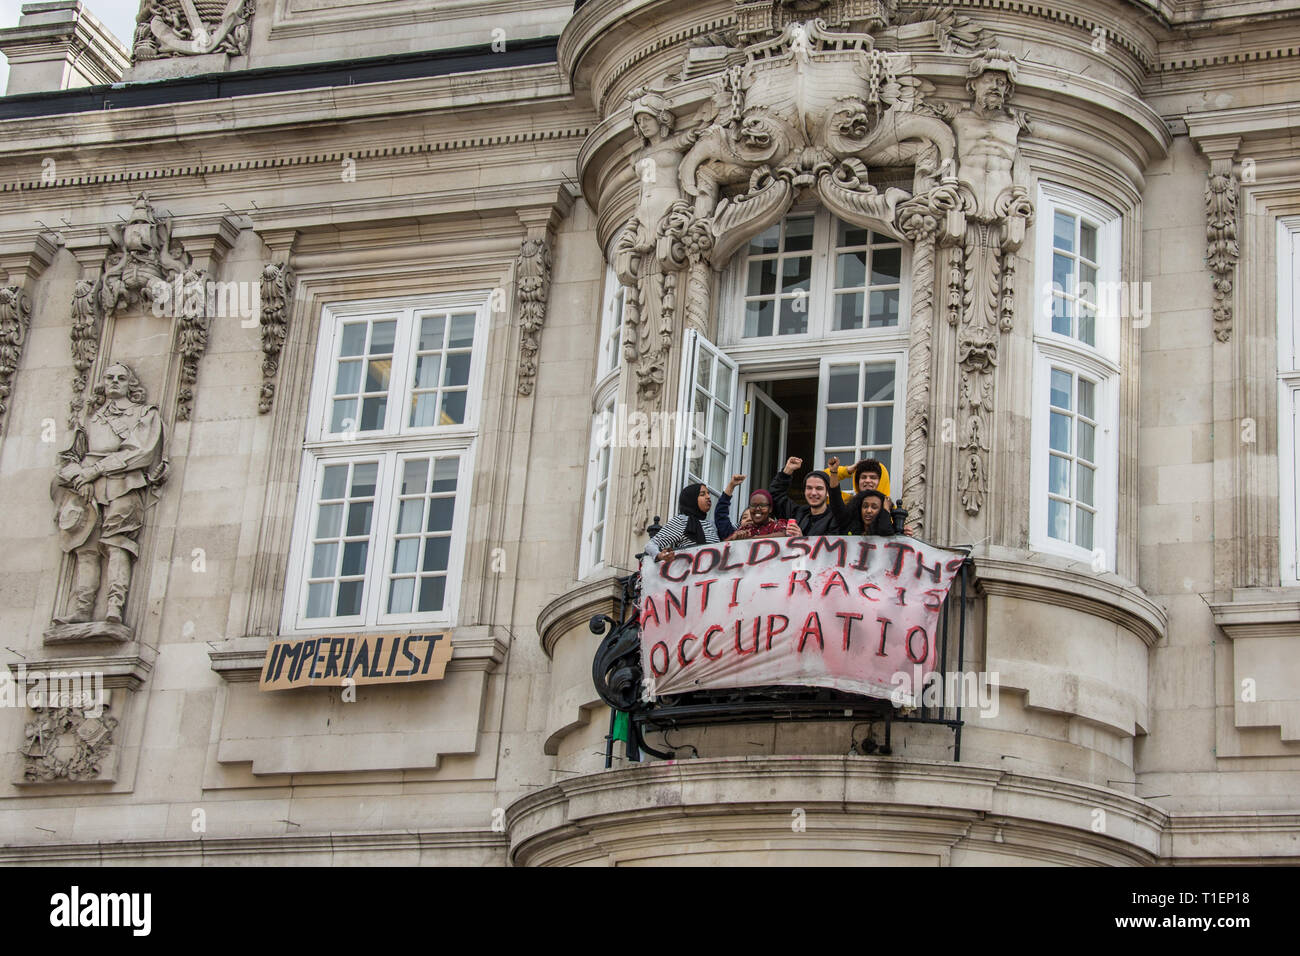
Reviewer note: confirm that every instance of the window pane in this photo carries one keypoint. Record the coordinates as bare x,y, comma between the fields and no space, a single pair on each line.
372,414
453,408
796,273
350,598
880,383
432,593
840,424
886,266
1062,313
1088,241
436,551
843,386
363,478
704,370
762,278
349,378
457,369
1062,273
324,559
848,311
717,469
722,389
378,372
415,476
426,371
354,339
848,235
1058,477
758,319
877,425
1088,283
382,337
1087,399
1060,432
401,595
766,241
1087,325
344,416
409,516
431,329
329,521
1061,382
798,233
444,474
359,517
1058,519
334,482
884,307
1063,231
1086,476
851,269
319,599
1084,528
721,419
354,557
794,316
441,511
462,332
405,553
1087,440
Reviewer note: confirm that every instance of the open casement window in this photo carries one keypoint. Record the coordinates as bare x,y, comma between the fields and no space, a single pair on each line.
380,527
857,415
595,519
708,396
1074,457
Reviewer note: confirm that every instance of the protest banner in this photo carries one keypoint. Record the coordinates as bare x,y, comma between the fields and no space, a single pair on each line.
840,612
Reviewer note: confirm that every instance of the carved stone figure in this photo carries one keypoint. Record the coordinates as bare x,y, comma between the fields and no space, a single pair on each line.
15,320
996,211
1222,248
101,492
277,289
143,260
534,284
190,27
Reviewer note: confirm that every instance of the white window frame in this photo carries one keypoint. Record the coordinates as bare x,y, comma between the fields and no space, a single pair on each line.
684,431
821,297
391,447
1099,363
1288,398
609,347
899,360
603,435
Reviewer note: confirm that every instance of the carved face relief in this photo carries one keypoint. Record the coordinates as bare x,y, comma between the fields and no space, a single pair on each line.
991,90
648,125
117,381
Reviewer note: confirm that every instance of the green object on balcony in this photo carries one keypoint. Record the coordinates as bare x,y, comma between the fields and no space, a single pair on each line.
622,727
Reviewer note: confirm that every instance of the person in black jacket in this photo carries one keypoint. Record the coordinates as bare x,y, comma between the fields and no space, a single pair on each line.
813,518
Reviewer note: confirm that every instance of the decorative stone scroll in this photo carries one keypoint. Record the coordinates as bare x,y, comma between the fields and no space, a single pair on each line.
278,283
68,742
1223,250
15,321
533,282
192,27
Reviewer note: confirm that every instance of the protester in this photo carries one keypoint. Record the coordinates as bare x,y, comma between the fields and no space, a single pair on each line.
692,525
868,473
813,518
758,522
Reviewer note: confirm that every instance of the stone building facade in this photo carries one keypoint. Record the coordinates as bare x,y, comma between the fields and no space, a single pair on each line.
315,317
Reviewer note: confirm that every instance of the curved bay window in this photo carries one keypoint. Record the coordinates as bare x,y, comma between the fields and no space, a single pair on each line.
810,355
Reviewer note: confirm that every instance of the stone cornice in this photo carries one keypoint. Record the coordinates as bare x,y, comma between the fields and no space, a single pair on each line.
128,669
380,100
575,608
1243,122
1259,612
417,841
1049,580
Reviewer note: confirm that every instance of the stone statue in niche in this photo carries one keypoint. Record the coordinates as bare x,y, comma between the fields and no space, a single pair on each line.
101,493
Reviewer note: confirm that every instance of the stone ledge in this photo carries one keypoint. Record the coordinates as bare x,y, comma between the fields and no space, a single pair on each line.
472,649
128,670
1259,612
89,632
575,608
1263,627
1047,579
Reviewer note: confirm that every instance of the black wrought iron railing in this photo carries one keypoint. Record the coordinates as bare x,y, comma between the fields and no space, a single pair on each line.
617,675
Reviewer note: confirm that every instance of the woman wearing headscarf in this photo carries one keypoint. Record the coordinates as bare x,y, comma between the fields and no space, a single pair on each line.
758,522
691,525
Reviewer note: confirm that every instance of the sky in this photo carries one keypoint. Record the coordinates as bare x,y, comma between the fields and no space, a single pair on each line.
117,15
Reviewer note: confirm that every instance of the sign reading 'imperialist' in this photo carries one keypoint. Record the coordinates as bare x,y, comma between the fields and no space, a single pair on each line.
845,613
328,661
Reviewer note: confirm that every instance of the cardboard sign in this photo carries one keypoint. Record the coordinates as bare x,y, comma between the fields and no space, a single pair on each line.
843,612
328,660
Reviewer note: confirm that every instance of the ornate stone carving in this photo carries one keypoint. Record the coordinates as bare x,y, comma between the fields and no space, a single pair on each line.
921,220
277,291
15,321
143,261
757,19
86,323
533,277
67,742
1221,232
191,339
191,27
996,210
101,493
